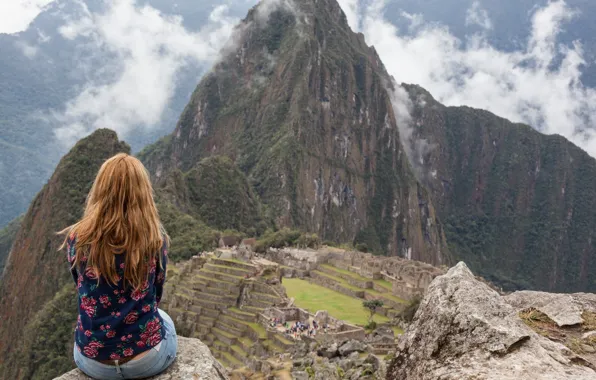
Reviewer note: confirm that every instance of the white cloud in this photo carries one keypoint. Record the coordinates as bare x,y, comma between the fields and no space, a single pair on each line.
350,8
148,49
525,85
28,50
16,15
477,15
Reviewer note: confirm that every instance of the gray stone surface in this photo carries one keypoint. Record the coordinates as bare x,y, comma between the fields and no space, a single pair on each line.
563,309
465,330
193,362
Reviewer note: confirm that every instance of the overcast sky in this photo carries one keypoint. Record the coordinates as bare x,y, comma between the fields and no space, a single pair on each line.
16,15
151,49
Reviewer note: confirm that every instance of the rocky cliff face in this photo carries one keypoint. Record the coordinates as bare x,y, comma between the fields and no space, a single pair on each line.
7,235
35,270
519,206
465,330
302,106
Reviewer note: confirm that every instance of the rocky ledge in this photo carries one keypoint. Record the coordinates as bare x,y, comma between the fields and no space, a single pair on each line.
465,330
194,361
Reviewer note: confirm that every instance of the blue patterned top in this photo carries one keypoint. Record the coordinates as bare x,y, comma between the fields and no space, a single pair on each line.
117,322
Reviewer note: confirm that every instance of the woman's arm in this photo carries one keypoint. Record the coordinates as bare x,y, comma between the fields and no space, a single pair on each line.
70,256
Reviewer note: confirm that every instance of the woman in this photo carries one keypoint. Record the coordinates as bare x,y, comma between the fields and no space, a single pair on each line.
118,254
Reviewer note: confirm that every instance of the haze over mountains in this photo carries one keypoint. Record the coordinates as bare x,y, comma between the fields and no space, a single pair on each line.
78,65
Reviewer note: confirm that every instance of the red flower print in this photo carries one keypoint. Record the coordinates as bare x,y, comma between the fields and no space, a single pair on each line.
160,277
121,265
137,295
84,259
123,339
116,291
79,281
111,334
104,299
95,344
118,314
78,348
90,352
121,300
152,265
90,273
89,310
165,252
102,327
153,326
108,327
114,356
128,352
129,336
87,333
154,339
146,308
140,343
131,317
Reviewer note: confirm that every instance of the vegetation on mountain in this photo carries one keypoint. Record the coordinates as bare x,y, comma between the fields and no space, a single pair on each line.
46,349
372,306
7,235
301,106
286,238
518,206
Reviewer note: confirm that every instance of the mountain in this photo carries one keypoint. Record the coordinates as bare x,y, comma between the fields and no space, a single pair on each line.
35,270
303,107
7,235
519,207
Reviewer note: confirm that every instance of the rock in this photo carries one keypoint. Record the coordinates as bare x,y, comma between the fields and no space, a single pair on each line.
299,375
463,330
322,317
351,346
193,362
374,362
588,335
587,348
563,309
328,351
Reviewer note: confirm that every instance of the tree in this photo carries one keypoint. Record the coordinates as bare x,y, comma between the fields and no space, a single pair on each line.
372,306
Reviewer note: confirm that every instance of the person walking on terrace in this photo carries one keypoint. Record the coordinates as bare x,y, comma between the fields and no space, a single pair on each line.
117,255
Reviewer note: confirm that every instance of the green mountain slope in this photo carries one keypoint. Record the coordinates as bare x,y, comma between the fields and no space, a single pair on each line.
519,206
301,105
7,235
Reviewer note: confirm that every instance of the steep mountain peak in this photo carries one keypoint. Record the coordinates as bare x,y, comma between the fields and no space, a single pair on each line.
303,107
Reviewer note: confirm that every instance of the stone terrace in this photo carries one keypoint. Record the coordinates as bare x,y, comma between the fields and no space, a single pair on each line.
219,301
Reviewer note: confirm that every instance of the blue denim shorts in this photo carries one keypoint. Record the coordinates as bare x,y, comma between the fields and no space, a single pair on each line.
153,363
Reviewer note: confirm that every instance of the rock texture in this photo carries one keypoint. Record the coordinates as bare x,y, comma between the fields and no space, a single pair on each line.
465,330
518,206
193,362
303,107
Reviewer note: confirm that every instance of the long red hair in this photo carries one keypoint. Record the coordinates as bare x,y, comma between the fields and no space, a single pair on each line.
120,218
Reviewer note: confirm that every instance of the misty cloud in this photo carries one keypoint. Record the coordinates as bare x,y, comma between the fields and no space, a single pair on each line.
539,84
147,49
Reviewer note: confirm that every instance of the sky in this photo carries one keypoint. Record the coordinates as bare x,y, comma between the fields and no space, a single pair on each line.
150,49
16,15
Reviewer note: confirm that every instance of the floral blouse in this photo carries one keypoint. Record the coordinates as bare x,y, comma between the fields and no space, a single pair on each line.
117,322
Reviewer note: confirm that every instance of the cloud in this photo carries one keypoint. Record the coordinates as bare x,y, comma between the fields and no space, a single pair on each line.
16,15
539,84
476,15
144,50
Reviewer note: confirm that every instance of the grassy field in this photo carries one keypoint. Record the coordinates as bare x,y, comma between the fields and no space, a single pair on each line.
314,297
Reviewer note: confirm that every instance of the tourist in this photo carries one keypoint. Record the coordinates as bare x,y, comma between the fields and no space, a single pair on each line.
118,255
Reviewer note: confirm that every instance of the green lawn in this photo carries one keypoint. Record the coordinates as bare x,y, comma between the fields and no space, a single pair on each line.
314,297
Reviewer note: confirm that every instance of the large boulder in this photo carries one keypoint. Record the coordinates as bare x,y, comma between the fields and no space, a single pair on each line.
465,330
193,362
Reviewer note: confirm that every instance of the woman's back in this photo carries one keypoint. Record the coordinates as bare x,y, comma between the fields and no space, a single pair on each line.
116,321
117,254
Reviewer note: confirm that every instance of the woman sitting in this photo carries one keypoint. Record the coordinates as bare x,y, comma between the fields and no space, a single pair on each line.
118,255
